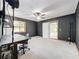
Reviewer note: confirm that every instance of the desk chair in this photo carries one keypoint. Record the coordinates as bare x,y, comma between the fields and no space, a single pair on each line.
5,52
24,46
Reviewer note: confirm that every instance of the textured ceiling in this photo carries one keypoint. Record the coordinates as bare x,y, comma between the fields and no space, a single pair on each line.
52,8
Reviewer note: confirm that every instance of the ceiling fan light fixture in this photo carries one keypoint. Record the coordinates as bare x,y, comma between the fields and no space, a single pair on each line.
38,18
39,15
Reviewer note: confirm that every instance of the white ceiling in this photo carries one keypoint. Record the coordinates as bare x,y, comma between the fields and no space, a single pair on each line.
52,8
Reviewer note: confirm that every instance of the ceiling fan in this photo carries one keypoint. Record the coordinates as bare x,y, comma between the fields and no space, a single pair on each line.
45,11
39,15
42,13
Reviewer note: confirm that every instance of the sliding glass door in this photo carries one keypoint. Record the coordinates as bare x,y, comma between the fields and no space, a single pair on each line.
45,30
54,29
50,29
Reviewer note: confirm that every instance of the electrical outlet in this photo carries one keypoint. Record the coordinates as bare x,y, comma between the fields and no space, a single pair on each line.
68,38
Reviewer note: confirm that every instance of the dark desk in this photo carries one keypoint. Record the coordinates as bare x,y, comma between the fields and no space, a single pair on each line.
7,40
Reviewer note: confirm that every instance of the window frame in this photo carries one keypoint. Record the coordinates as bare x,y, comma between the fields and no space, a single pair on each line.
19,26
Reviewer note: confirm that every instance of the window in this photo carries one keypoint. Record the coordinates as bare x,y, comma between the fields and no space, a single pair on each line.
19,26
54,29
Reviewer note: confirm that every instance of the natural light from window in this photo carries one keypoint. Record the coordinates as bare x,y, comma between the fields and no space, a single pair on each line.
19,26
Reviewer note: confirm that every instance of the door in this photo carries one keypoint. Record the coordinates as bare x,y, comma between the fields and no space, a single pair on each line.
45,30
54,29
